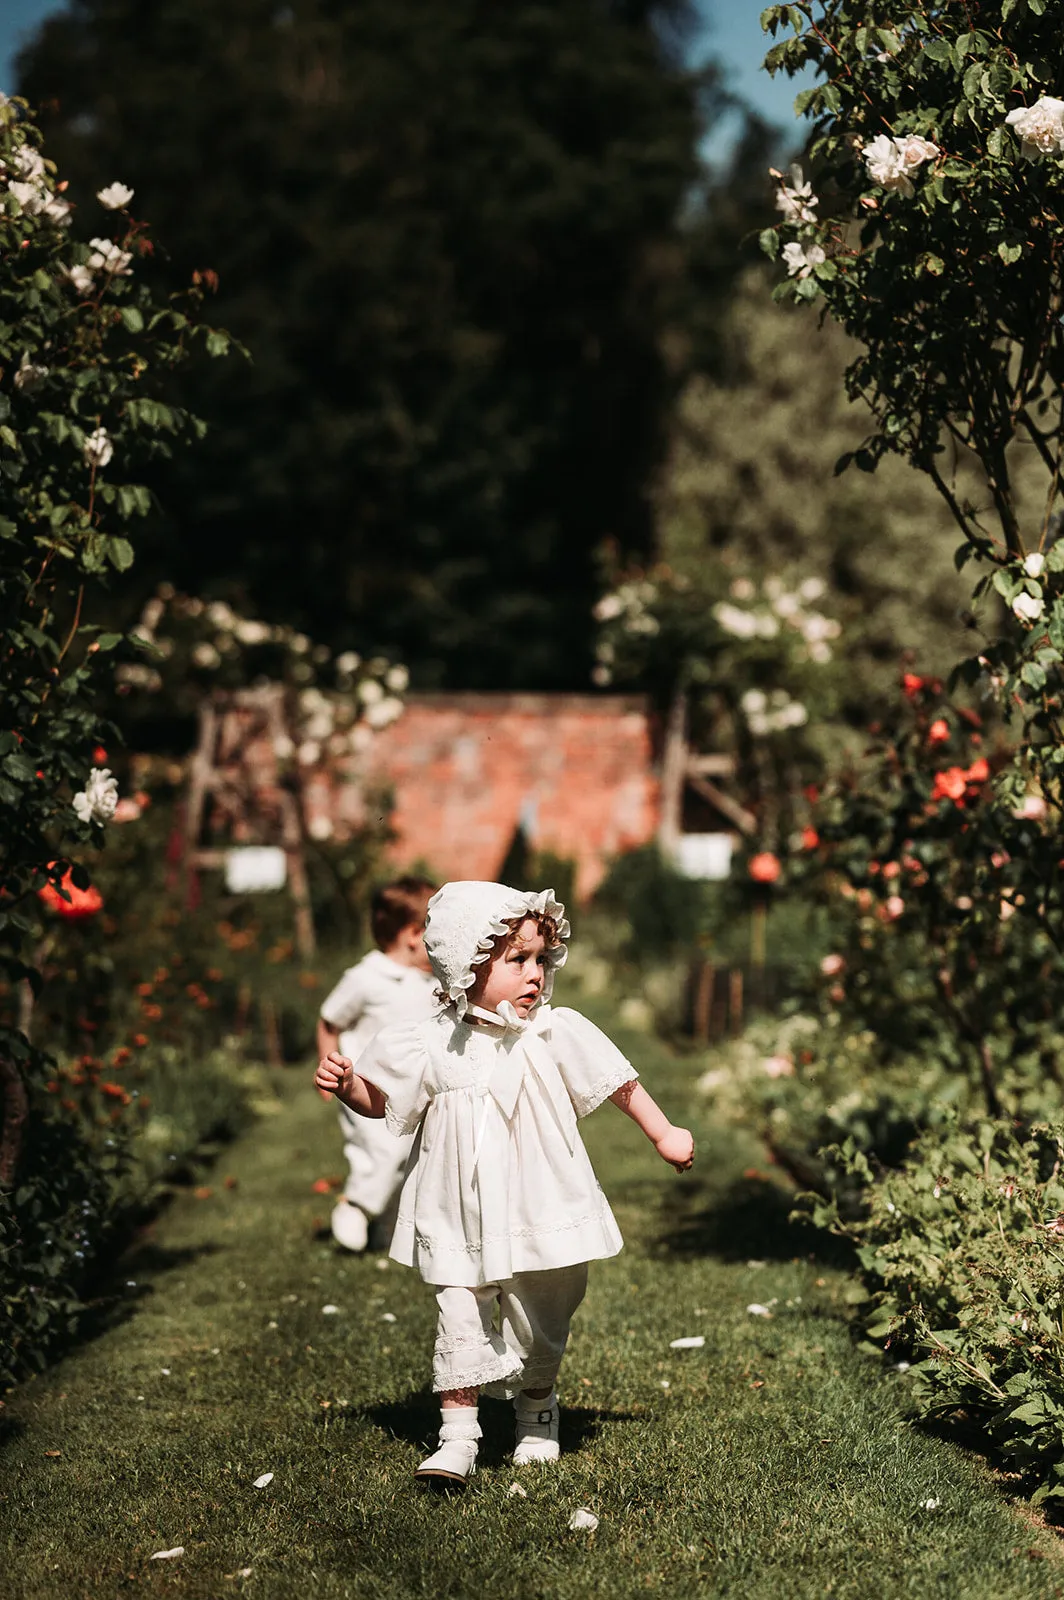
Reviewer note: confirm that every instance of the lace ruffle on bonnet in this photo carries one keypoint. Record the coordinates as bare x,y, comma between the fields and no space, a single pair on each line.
465,919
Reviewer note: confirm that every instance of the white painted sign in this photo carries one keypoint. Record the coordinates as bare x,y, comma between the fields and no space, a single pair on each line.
255,869
705,855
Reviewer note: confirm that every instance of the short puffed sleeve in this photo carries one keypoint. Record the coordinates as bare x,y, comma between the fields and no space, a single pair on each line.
591,1066
344,1004
396,1061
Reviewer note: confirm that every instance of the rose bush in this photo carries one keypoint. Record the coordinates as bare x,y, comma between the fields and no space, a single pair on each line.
937,152
86,358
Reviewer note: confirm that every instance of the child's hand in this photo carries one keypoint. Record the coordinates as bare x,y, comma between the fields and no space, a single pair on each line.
677,1147
335,1075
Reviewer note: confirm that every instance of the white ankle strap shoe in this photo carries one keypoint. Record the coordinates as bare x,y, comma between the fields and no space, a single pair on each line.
454,1462
537,1433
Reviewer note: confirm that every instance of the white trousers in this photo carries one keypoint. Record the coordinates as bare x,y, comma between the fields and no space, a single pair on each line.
376,1161
525,1350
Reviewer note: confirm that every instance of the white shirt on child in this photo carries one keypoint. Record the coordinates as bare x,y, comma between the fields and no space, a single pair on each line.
375,991
498,1182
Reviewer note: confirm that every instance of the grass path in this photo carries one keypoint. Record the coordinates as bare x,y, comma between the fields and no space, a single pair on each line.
773,1462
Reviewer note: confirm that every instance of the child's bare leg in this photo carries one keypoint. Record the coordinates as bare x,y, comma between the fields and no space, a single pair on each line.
460,1397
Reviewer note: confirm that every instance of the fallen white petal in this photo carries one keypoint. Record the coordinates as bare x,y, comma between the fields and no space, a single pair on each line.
330,1311
165,1371
168,1555
263,1479
664,1384
382,1264
930,1505
754,1265
758,1311
583,1517
694,1341
387,1316
517,1489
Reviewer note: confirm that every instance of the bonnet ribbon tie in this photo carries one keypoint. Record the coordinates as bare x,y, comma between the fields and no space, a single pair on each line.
507,1076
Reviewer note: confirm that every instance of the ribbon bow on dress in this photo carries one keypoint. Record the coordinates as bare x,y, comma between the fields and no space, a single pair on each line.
508,1074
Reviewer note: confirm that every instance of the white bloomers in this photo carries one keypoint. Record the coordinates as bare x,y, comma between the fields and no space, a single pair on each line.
525,1351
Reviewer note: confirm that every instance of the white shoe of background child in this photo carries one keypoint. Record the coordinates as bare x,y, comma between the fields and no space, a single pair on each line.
456,1459
537,1429
350,1226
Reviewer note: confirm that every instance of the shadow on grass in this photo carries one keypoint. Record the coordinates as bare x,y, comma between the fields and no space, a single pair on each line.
416,1419
749,1219
10,1430
123,1281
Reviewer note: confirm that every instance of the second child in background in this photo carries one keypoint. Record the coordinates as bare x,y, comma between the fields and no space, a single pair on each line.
391,984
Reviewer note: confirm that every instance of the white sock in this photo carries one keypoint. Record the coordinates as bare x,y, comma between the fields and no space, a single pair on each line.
459,1422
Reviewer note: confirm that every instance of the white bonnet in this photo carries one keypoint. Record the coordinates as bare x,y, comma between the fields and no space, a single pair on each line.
464,920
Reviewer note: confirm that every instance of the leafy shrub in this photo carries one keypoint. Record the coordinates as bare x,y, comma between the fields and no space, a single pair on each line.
660,910
98,1152
942,887
85,360
962,1250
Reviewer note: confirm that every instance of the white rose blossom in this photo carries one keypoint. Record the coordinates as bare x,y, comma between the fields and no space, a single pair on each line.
610,606
98,448
114,197
80,278
891,162
801,259
98,799
32,198
110,258
1040,127
58,211
384,712
397,679
1034,564
796,199
29,376
28,163
1028,607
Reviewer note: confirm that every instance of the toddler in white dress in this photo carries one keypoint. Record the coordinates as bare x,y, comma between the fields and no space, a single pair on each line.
391,984
500,1205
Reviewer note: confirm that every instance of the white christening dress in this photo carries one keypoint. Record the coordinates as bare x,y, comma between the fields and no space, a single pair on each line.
498,1181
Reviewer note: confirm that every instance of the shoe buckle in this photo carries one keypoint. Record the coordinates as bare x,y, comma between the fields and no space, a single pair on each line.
546,1418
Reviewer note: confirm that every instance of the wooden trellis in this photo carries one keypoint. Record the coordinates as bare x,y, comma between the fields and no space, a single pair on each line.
245,798
684,769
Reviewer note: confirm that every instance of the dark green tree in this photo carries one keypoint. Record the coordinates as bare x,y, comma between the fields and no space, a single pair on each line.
454,236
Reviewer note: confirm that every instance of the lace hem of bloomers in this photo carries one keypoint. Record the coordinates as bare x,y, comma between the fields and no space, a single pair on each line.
498,1371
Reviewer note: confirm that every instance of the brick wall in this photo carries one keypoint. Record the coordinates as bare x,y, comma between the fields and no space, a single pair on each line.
465,769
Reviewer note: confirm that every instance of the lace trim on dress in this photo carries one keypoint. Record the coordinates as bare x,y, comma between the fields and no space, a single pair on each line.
601,1090
395,1123
472,1247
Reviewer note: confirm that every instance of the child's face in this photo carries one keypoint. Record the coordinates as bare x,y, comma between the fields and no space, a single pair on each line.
514,973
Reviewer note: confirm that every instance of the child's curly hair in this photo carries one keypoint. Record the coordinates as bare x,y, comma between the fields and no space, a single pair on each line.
546,927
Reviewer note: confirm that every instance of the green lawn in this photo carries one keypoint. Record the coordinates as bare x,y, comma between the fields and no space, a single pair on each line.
773,1462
